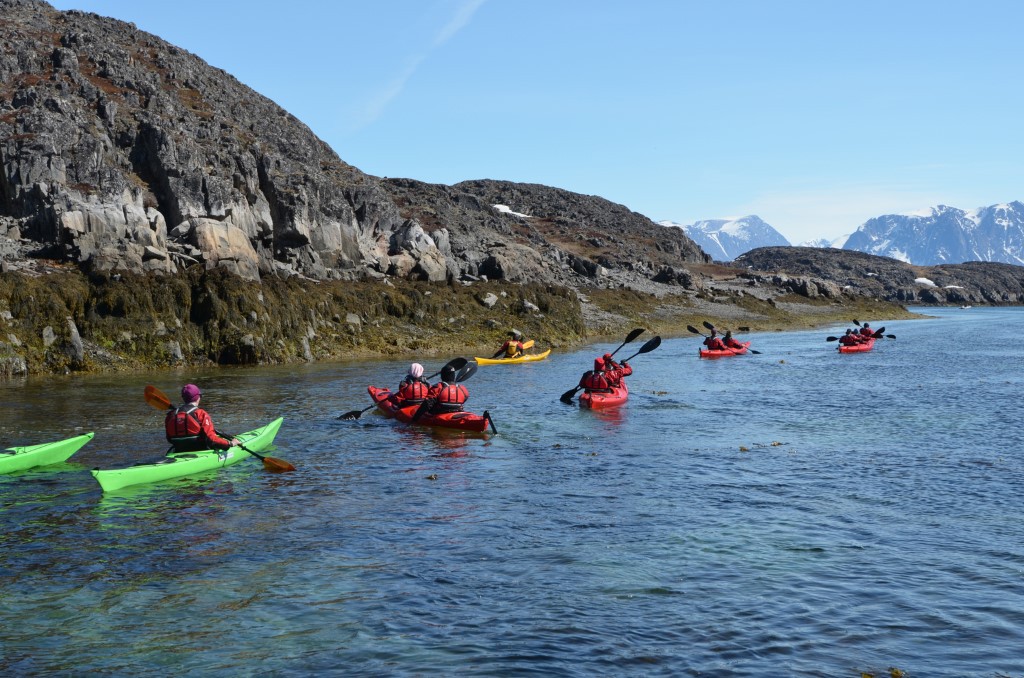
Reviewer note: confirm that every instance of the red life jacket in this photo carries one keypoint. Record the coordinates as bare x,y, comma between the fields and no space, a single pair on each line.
596,381
449,397
184,429
714,344
413,391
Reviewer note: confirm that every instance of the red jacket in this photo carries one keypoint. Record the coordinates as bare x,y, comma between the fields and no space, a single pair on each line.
190,429
714,344
595,381
411,391
448,396
732,343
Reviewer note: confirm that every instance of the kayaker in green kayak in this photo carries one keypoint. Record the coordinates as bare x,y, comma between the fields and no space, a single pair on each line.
190,429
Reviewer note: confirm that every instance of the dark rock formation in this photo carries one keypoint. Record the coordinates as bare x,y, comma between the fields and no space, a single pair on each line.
975,282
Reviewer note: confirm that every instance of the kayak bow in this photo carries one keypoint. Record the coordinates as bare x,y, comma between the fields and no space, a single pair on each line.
20,458
599,399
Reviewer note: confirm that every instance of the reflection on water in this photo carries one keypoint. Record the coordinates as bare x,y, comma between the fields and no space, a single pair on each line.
670,536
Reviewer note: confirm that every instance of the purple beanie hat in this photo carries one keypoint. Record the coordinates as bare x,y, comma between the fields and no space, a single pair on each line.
190,392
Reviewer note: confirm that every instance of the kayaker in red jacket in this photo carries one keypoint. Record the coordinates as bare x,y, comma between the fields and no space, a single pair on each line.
513,348
729,342
190,428
614,371
413,389
866,331
596,379
448,396
714,343
850,339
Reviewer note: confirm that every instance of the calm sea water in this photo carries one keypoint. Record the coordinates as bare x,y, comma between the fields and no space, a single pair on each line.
794,513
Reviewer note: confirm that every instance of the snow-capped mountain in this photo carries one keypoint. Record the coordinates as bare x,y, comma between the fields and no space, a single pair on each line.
825,242
726,239
945,235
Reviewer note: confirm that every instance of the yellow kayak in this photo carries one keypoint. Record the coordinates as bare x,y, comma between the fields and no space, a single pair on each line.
528,358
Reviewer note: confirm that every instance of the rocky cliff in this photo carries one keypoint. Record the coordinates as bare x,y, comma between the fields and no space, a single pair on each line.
123,152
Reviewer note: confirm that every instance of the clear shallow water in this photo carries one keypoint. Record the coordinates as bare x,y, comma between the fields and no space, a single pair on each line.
873,520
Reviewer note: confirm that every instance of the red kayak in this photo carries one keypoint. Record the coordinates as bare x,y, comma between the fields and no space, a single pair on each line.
858,348
600,399
704,353
466,421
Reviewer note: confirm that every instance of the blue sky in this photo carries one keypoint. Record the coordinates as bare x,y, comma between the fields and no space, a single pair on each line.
815,116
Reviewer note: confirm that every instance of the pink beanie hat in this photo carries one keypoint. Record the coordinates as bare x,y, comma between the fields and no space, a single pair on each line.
416,370
190,392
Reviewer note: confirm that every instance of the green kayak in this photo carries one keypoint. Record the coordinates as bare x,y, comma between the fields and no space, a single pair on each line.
178,464
20,458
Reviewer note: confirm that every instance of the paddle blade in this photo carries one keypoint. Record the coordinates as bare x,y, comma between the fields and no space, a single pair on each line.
156,398
567,396
831,338
455,363
466,372
650,345
857,323
634,334
354,414
277,465
891,336
528,344
708,325
750,350
694,330
487,415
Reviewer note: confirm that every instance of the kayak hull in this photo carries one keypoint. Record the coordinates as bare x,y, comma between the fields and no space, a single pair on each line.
858,348
596,400
179,464
30,456
463,421
528,358
704,353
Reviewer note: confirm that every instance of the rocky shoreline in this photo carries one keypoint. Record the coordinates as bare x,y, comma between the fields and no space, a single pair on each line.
66,321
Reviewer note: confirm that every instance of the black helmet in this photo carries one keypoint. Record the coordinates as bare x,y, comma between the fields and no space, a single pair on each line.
448,374
849,331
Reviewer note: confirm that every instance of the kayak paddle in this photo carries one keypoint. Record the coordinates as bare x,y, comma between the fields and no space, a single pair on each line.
158,400
646,348
567,396
455,364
